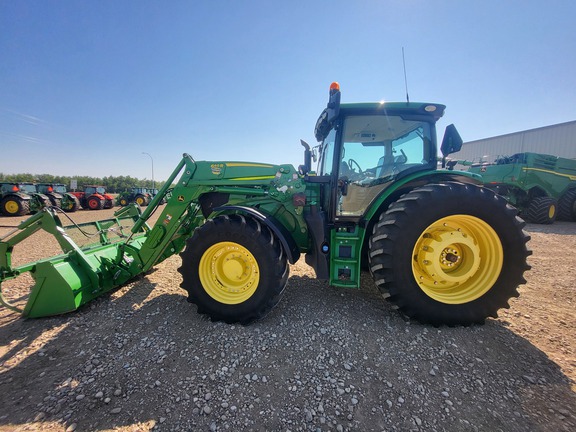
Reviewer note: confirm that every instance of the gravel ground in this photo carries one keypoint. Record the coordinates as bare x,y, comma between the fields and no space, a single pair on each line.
324,359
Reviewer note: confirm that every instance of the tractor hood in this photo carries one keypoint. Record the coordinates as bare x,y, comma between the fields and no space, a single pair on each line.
242,172
280,182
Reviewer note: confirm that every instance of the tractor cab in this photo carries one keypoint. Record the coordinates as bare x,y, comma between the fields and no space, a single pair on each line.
94,190
59,188
366,147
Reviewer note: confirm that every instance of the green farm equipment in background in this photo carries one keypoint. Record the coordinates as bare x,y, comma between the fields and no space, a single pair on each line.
138,195
439,246
59,196
541,186
18,199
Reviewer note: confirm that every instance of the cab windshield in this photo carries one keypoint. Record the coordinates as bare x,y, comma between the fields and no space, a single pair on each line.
28,188
374,150
376,147
92,189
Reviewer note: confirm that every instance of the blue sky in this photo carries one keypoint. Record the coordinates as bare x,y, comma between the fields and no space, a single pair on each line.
87,86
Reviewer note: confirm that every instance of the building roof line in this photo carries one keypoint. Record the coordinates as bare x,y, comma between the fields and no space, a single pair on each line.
522,132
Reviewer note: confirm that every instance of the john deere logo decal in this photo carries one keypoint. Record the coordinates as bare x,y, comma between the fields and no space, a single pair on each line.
216,168
180,198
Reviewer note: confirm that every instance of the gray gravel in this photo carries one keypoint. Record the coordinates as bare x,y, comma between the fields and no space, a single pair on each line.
324,359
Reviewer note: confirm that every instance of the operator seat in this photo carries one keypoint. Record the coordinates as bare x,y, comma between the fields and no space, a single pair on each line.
345,170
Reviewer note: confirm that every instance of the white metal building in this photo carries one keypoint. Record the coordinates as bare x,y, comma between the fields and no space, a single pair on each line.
558,140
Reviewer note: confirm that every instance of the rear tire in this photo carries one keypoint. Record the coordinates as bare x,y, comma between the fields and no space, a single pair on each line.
567,206
56,202
234,269
14,206
541,210
141,200
449,254
70,203
94,203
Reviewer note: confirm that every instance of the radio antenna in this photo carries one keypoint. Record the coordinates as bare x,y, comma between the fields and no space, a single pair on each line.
405,78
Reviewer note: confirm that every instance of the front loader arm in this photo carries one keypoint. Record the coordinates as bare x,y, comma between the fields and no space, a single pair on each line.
179,217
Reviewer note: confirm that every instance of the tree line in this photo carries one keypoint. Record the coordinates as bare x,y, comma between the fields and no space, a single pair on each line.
112,184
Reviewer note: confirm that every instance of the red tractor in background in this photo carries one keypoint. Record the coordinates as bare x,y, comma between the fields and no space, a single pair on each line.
94,198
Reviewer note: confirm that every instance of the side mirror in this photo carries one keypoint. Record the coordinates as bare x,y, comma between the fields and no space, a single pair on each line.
304,169
452,142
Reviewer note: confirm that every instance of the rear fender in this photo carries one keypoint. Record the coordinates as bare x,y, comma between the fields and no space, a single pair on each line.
22,196
71,196
406,184
288,243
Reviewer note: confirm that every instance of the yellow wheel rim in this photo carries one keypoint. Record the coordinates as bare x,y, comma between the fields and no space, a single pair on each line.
140,201
11,207
229,273
457,259
551,211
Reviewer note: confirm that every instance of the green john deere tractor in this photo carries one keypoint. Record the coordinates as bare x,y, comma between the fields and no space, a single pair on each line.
59,196
18,199
439,246
138,195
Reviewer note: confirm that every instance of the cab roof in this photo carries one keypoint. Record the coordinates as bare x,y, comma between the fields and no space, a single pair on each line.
419,108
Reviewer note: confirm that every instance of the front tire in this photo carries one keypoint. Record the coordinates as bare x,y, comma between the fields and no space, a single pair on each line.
449,254
234,269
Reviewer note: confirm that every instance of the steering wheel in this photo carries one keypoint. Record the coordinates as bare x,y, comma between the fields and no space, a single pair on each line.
353,162
401,159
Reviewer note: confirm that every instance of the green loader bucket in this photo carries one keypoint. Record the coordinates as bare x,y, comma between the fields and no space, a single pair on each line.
96,257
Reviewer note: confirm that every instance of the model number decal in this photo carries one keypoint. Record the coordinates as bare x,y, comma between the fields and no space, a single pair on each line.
216,168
